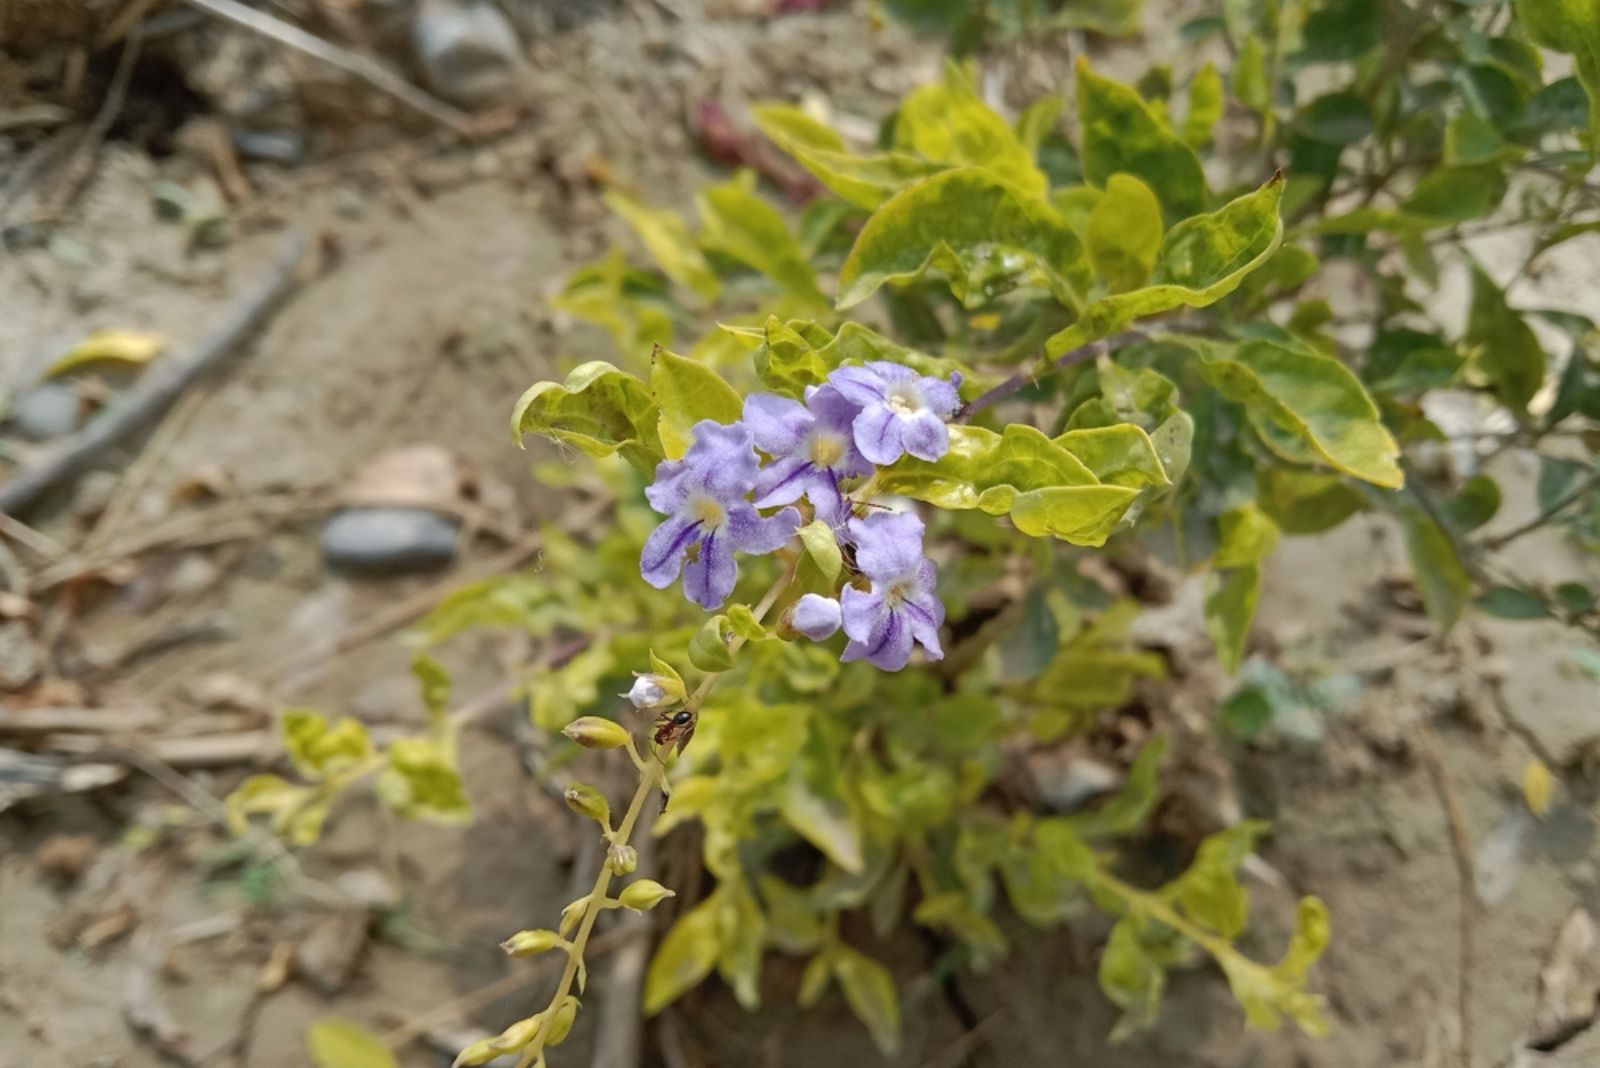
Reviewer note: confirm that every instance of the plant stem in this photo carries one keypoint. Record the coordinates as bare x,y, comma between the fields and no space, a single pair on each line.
1160,910
1555,508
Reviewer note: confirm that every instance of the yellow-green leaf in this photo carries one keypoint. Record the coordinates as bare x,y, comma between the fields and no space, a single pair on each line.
337,1043
1442,579
985,236
422,782
1573,27
1119,455
871,993
1313,397
1229,608
1123,233
1504,345
1248,536
1201,260
629,303
1205,106
685,956
1538,787
948,122
864,180
130,348
319,747
823,549
1121,134
738,222
687,392
667,237
599,409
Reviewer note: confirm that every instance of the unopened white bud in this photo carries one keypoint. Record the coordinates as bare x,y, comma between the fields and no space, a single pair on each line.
648,693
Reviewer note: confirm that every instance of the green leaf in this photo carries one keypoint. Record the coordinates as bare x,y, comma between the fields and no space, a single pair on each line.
1112,18
337,1043
435,683
1251,82
599,409
1506,348
1205,106
1123,235
985,236
823,549
870,991
629,303
1410,361
864,180
687,392
1442,579
1315,398
948,122
1127,812
1340,29
1473,505
1269,994
1132,978
1118,455
1341,118
1201,260
1305,502
1120,133
1230,607
1573,27
1209,891
736,221
708,650
422,782
685,956
1510,602
1042,486
1248,536
1471,138
319,747
667,237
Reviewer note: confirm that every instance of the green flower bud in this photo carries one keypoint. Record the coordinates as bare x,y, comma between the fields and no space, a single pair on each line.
642,894
622,859
528,943
585,800
572,914
596,732
480,1052
561,1022
518,1034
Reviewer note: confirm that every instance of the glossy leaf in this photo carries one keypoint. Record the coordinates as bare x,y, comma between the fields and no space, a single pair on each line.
1442,578
985,236
1118,455
1123,234
599,409
1229,609
738,222
864,180
1201,260
685,956
871,993
337,1043
667,237
1302,501
1121,134
1316,399
1042,486
687,392
1205,106
948,122
1505,346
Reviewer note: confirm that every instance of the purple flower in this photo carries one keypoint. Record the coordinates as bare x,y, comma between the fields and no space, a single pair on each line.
708,517
811,449
901,411
815,616
903,605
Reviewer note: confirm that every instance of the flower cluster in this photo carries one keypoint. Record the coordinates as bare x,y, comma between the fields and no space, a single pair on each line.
863,418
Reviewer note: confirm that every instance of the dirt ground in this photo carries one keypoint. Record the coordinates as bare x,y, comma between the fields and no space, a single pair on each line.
429,320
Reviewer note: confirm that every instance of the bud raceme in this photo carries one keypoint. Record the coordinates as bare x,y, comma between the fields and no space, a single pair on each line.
561,1021
572,914
622,859
596,732
585,800
528,943
643,894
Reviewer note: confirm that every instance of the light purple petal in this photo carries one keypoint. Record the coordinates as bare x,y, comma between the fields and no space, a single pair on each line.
925,436
877,434
832,409
924,614
750,533
859,385
823,491
783,481
668,492
662,557
860,612
888,546
816,617
722,460
710,577
777,423
888,646
942,398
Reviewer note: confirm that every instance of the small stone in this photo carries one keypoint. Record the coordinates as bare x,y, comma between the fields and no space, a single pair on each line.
1066,782
46,411
330,954
274,146
389,540
469,52
369,888
21,658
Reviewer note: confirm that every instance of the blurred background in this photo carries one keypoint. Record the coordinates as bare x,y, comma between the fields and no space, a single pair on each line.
299,256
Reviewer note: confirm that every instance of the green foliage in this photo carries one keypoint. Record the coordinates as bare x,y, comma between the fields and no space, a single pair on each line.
335,1043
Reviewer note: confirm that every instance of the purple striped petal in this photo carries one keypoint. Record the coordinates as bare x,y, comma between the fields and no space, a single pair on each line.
711,576
663,553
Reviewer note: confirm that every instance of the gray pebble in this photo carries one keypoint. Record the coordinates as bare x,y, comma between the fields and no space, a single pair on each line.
469,51
389,540
46,411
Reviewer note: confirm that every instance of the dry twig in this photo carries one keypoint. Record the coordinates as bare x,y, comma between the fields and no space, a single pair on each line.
1461,851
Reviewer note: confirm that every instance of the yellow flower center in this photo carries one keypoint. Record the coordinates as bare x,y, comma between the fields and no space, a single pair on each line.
898,592
904,400
707,511
827,449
